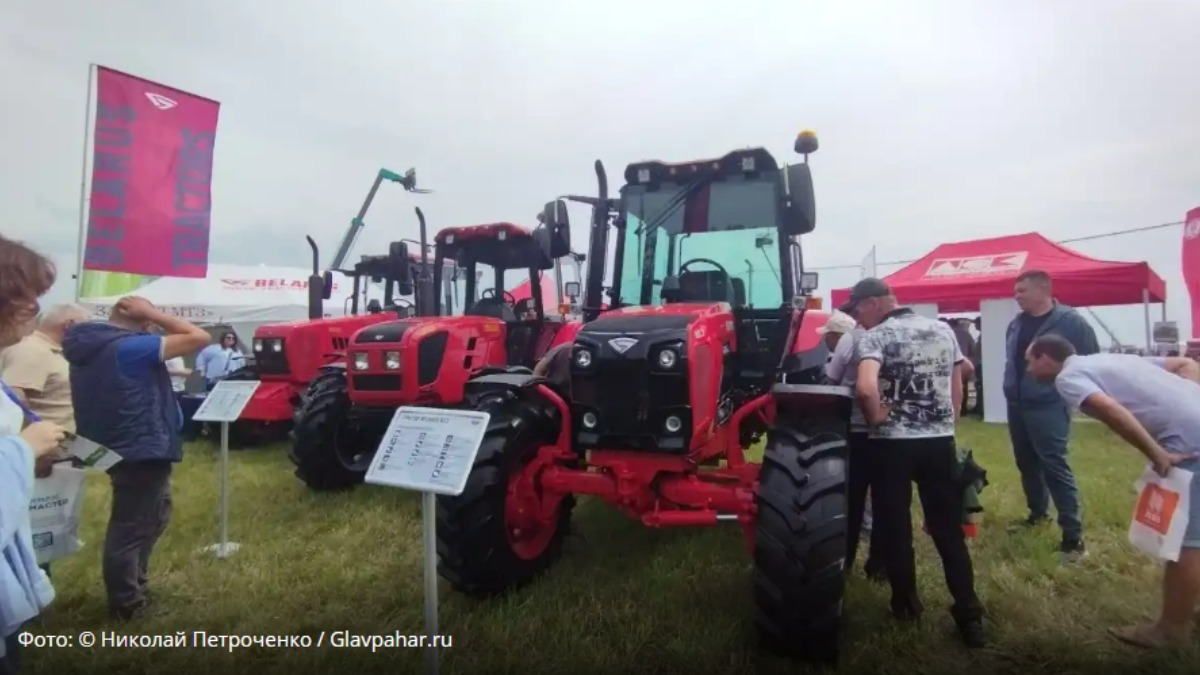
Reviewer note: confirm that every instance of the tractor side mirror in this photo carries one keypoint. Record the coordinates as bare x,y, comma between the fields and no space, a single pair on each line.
327,285
556,224
800,215
398,267
571,289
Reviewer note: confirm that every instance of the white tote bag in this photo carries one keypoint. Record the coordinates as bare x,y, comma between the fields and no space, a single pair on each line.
54,513
1160,516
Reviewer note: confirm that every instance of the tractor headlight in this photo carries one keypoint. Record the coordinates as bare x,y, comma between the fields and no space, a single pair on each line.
257,345
583,358
360,360
589,420
667,359
276,345
673,424
391,360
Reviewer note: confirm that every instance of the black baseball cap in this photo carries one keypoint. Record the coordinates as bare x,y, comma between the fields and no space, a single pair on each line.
863,290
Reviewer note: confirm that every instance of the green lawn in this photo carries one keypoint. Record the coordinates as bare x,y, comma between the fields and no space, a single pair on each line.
668,601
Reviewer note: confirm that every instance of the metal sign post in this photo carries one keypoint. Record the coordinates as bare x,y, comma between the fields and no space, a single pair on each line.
224,404
431,451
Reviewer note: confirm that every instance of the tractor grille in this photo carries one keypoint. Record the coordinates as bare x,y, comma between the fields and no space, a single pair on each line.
630,401
271,362
377,382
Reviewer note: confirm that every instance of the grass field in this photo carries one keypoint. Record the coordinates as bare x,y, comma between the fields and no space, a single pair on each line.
623,597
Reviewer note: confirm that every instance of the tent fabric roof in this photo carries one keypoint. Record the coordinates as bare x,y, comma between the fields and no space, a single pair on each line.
956,276
233,294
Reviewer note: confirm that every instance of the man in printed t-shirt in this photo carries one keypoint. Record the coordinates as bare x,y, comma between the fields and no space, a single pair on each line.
910,389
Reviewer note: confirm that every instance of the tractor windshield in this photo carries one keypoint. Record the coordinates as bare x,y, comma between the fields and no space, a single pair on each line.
733,223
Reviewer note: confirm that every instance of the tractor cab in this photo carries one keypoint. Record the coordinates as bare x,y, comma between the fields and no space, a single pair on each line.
484,253
707,283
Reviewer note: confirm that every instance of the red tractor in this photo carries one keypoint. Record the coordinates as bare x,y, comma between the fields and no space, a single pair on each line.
709,345
288,356
427,361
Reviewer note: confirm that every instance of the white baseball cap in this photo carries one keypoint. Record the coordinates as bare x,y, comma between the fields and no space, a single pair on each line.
839,322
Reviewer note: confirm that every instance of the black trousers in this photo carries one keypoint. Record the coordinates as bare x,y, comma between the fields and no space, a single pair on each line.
141,509
932,464
862,474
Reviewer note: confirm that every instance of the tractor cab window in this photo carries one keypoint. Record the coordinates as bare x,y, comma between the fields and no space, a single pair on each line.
720,244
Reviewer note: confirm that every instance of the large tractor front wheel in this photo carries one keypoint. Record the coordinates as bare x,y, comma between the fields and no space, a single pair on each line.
800,539
328,449
503,530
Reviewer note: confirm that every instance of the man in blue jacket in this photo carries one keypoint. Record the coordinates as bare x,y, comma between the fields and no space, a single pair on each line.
124,400
1039,421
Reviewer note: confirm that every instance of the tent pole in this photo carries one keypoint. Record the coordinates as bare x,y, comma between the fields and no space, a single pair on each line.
1146,309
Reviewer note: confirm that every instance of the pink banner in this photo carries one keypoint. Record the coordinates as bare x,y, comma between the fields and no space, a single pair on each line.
1191,265
151,178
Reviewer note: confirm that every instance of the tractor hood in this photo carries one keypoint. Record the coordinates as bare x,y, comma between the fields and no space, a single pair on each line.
653,319
390,331
633,332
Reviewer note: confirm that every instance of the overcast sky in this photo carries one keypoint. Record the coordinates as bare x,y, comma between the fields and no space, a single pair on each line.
939,121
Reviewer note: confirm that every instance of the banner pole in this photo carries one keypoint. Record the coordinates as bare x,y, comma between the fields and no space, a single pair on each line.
83,183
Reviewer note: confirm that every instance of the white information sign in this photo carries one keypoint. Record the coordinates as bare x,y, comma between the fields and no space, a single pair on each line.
428,450
226,401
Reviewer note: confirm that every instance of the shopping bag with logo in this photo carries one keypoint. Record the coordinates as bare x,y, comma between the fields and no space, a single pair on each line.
1160,515
54,513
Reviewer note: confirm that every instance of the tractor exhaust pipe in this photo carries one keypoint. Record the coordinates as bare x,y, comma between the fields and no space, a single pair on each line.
316,284
425,289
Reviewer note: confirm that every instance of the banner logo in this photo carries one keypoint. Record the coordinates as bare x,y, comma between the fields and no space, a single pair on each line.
161,102
974,266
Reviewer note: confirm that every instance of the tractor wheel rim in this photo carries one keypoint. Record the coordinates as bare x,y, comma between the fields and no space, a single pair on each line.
529,528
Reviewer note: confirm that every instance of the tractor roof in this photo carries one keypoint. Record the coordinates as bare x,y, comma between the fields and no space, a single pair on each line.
674,171
497,244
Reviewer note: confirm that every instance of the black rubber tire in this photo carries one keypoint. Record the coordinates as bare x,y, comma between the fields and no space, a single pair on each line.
315,431
800,539
474,552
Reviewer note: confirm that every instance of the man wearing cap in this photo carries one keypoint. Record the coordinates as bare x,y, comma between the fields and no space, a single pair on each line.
910,389
841,335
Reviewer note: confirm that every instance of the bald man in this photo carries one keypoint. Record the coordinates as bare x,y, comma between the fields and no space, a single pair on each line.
36,371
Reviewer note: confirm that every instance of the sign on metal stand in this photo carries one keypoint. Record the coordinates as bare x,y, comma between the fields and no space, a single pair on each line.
224,404
431,451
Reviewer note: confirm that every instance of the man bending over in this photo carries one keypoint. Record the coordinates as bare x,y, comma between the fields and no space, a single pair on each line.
1154,404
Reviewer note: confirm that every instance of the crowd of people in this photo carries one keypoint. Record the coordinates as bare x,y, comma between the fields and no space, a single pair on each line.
909,375
117,383
114,383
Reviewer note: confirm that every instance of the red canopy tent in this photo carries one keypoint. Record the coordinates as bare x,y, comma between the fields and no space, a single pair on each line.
958,275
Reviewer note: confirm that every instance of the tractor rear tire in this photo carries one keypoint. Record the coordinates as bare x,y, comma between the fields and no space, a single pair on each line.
800,539
320,416
477,552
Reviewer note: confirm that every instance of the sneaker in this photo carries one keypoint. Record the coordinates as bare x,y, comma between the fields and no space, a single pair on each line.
973,634
1029,523
1072,550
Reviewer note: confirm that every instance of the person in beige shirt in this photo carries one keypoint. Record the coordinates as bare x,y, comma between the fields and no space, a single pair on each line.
37,373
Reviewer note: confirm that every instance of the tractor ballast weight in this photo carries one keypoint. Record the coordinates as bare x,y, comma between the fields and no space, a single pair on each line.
668,389
427,361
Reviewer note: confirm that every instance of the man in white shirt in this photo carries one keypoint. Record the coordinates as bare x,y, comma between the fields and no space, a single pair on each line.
1154,404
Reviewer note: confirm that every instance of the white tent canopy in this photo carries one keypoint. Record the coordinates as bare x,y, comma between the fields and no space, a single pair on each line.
241,296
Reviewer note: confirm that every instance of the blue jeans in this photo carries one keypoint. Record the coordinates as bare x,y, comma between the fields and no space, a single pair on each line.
1039,439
